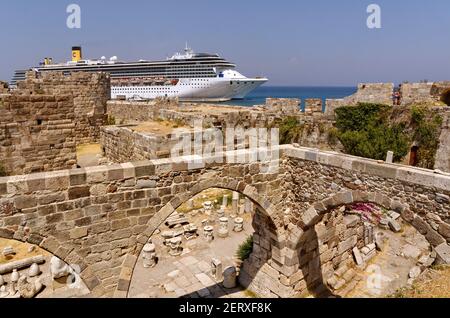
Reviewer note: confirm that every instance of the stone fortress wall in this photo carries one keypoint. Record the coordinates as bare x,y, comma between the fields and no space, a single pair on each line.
100,217
37,133
431,93
47,116
90,92
221,117
316,124
4,87
123,144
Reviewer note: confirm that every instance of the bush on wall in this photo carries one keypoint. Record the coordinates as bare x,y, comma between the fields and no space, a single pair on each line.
367,131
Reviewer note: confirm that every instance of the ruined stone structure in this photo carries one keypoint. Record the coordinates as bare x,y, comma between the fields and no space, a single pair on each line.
123,144
425,93
283,106
47,116
4,87
89,92
100,218
430,93
37,133
367,93
315,133
128,111
223,116
313,105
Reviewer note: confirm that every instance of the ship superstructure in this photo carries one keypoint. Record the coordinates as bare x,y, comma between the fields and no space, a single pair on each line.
189,76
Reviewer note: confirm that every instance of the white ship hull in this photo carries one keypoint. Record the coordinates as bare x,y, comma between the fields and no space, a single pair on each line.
193,89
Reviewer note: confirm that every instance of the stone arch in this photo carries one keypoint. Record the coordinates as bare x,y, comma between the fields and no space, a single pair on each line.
445,97
314,215
263,205
315,212
53,246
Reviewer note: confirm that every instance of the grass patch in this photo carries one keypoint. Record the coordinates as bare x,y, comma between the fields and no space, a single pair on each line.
245,249
426,134
333,136
434,284
110,121
250,294
290,130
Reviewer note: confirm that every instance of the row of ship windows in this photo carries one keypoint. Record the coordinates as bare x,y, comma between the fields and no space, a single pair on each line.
167,74
145,90
245,83
140,89
162,70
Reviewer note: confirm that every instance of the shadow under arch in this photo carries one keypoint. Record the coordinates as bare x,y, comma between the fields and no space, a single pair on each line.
315,213
262,206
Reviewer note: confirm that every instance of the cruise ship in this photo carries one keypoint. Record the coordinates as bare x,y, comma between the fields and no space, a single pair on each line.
189,76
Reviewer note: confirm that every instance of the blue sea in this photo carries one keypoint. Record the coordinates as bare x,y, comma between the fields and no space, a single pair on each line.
259,95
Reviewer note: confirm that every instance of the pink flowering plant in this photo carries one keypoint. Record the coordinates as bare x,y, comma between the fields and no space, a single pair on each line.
369,212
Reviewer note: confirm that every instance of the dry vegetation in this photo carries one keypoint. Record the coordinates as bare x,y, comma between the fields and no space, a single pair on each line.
434,283
159,127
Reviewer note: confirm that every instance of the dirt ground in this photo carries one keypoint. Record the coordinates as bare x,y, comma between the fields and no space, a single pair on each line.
162,127
88,155
210,109
21,250
389,270
433,283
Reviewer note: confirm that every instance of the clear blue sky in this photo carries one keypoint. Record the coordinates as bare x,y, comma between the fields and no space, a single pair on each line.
320,42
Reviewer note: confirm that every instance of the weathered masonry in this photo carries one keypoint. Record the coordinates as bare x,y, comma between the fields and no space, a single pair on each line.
43,121
99,218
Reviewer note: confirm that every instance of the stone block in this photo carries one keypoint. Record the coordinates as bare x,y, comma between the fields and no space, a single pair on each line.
25,202
347,244
442,254
358,257
434,238
83,221
351,220
394,226
444,230
77,177
79,192
310,216
420,225
78,232
146,184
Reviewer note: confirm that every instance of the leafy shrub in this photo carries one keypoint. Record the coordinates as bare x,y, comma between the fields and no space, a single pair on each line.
290,130
426,134
245,249
366,131
333,134
2,171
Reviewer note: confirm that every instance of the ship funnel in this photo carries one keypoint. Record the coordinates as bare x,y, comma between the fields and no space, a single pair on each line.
76,54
